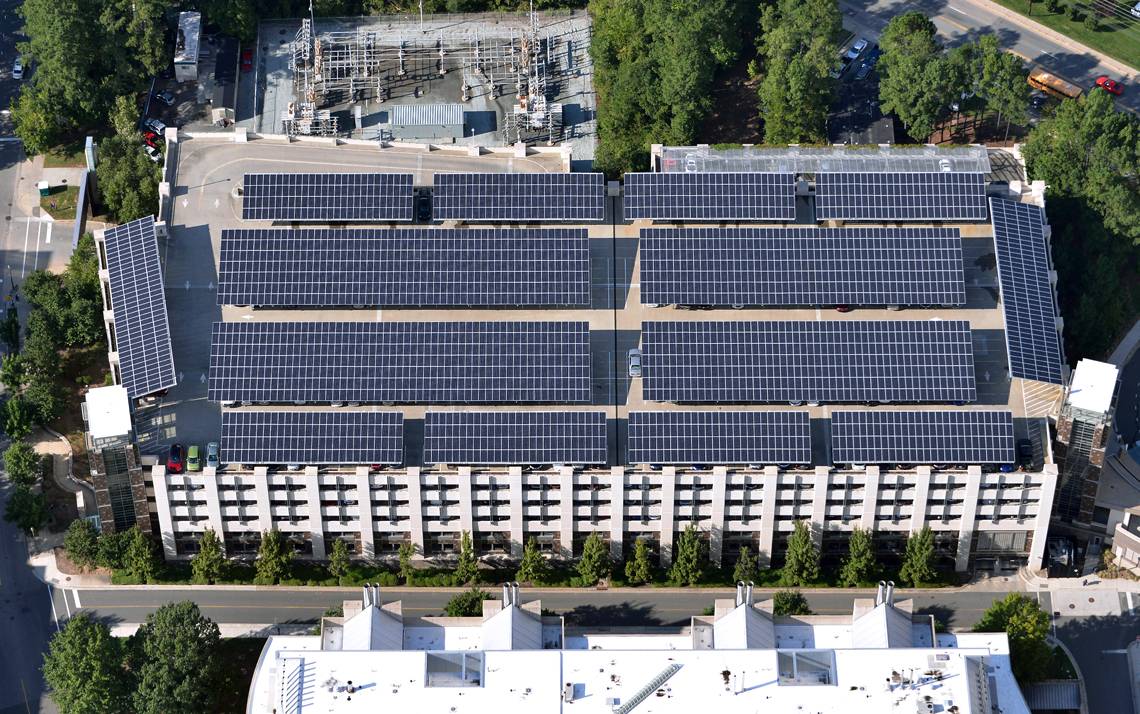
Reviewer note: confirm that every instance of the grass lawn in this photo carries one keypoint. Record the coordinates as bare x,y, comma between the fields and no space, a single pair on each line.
63,157
1118,37
60,203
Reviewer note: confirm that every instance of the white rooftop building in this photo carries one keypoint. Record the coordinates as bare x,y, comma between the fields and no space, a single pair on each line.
741,659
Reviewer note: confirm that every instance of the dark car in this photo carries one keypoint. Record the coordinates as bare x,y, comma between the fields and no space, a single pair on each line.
247,60
166,97
175,462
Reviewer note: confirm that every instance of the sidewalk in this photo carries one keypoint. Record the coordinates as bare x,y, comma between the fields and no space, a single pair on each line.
44,567
51,443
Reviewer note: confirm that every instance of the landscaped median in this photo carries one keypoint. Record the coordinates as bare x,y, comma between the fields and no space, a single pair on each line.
1117,36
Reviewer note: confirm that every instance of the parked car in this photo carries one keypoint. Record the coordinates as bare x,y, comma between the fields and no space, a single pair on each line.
174,462
194,459
1135,10
152,153
1110,85
635,362
212,454
247,59
154,125
18,68
151,139
166,97
856,49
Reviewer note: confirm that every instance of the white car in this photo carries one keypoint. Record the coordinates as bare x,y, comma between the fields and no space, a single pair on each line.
635,362
856,50
1135,10
153,154
18,68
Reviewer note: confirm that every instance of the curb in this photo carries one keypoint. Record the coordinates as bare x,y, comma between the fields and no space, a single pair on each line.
1077,667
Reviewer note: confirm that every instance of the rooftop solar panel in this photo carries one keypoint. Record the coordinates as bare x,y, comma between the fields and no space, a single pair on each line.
519,197
817,361
476,438
327,197
676,437
142,329
481,267
710,196
406,362
312,438
802,266
922,437
900,196
1032,340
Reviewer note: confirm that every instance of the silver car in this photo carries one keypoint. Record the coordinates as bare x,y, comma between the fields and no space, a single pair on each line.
635,362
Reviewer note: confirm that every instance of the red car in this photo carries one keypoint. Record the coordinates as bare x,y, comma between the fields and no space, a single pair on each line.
175,463
1110,85
151,139
247,59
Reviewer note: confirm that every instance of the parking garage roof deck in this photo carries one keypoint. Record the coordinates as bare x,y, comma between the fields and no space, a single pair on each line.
811,160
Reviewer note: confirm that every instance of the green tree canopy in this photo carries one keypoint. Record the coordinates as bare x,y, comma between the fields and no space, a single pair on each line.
128,179
914,75
208,565
178,649
274,558
467,569
26,509
112,550
82,543
594,563
688,557
533,568
801,562
468,603
407,569
746,569
918,560
12,373
17,418
859,565
789,603
1027,626
339,559
22,464
639,568
84,668
140,558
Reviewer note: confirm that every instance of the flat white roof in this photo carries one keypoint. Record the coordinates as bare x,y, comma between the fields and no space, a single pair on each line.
108,412
189,31
1092,386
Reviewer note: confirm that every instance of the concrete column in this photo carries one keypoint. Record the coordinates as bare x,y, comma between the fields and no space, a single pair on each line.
921,497
771,480
566,509
416,508
165,520
466,512
517,535
316,517
870,498
364,507
969,516
261,493
1041,522
213,504
819,505
716,535
668,486
617,512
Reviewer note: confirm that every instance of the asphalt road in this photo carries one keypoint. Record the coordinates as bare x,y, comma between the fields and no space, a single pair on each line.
1098,645
961,21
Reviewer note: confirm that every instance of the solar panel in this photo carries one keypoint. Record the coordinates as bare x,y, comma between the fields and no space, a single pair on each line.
142,329
802,266
519,197
312,438
719,438
480,267
710,196
1032,340
407,362
475,438
327,197
900,196
913,437
801,360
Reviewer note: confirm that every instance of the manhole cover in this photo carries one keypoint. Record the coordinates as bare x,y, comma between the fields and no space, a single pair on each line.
1092,599
1072,606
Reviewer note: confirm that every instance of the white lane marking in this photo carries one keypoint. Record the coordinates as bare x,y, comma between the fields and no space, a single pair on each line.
951,7
54,616
38,251
75,594
24,259
48,239
66,604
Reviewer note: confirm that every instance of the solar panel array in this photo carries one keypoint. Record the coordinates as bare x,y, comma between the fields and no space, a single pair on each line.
802,266
482,267
478,438
710,196
519,197
424,362
327,197
800,360
922,437
1032,340
312,438
899,196
142,328
719,438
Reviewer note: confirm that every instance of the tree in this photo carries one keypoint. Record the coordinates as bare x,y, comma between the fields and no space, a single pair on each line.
209,563
859,565
467,570
35,121
639,569
44,397
789,603
125,116
26,510
10,329
1003,81
178,661
17,418
274,558
533,568
22,464
128,179
84,319
468,603
745,570
801,563
112,551
140,558
594,565
84,668
918,560
12,373
407,570
914,74
1027,626
339,559
82,543
688,557
797,52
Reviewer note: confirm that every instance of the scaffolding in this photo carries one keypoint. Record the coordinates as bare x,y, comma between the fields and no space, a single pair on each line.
361,65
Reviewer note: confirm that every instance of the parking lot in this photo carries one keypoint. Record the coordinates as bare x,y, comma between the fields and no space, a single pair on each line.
855,116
